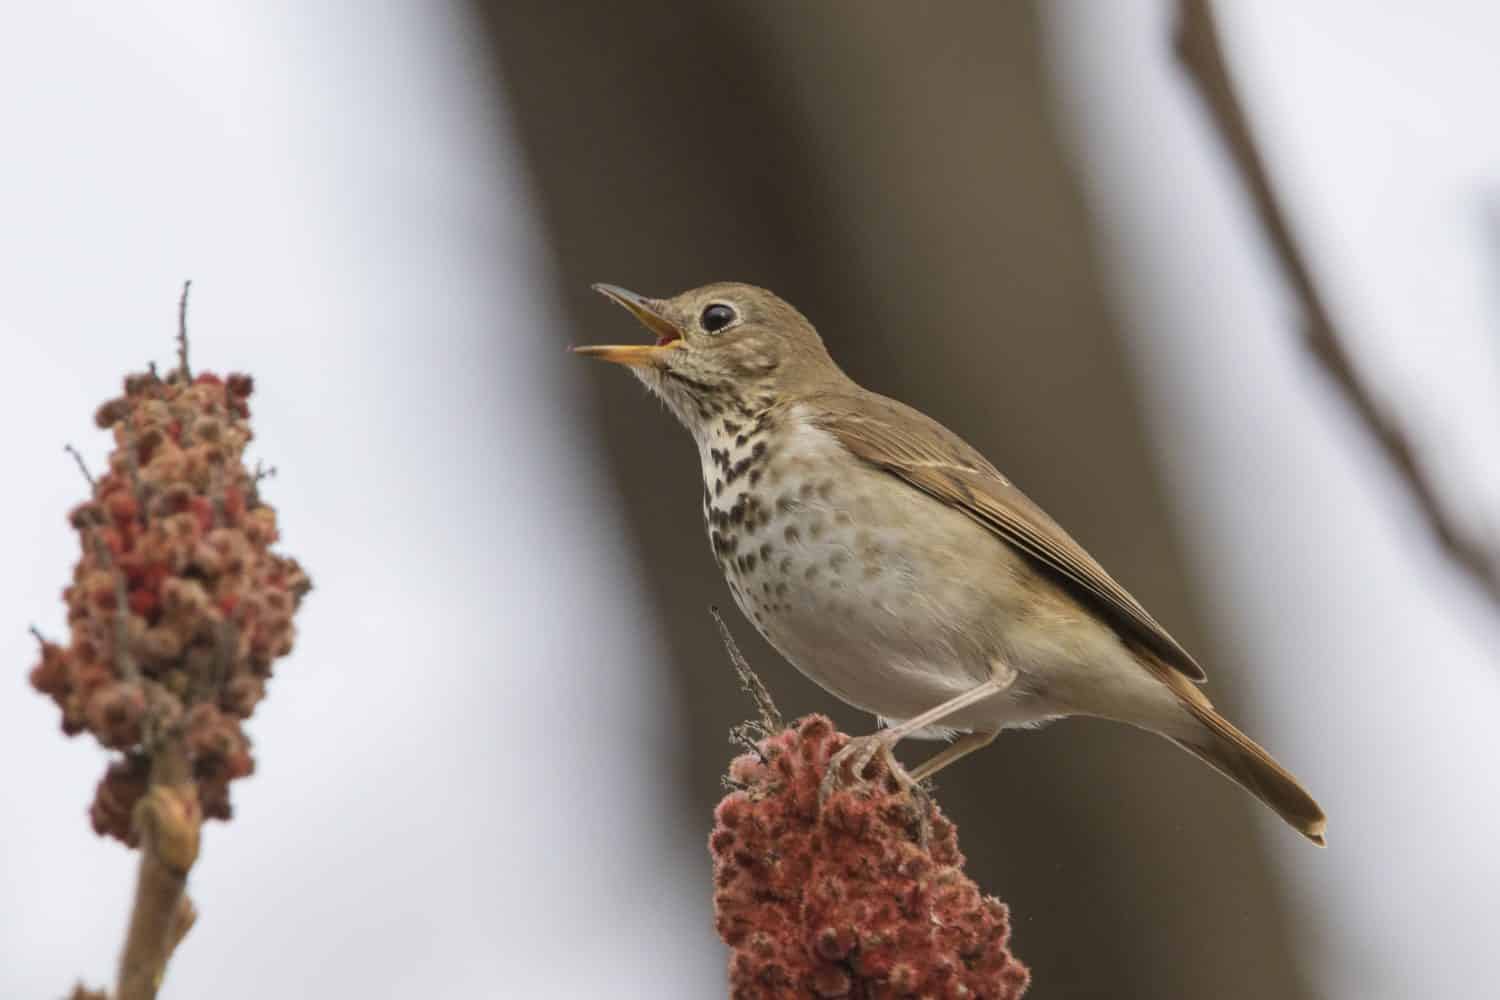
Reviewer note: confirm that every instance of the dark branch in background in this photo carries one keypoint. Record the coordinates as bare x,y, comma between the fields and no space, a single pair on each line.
1200,51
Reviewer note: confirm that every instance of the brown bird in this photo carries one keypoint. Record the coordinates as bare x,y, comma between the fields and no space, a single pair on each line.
892,564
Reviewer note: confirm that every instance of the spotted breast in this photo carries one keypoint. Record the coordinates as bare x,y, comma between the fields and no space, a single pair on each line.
829,569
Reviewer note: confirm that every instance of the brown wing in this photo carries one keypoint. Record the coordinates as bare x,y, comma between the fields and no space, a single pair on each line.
928,456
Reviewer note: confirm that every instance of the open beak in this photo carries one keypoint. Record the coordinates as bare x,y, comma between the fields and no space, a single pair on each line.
649,312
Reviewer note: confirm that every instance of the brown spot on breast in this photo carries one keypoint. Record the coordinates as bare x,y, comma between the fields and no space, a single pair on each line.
825,489
791,534
836,561
723,545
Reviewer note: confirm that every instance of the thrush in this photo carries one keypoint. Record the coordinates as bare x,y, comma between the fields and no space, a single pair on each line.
896,567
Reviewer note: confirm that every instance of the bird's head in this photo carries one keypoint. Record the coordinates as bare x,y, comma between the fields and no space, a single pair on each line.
722,348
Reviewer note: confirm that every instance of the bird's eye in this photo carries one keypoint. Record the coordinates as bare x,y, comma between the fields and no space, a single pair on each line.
716,317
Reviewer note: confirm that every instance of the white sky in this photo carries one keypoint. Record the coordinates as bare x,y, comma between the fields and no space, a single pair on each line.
1369,660
453,794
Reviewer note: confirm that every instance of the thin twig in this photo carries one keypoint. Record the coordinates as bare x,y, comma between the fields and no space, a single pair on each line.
1200,51
770,718
182,336
82,466
261,473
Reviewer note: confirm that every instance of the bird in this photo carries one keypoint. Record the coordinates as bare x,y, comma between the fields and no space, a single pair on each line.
896,567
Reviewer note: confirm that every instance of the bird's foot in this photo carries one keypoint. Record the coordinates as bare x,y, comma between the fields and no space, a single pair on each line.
848,767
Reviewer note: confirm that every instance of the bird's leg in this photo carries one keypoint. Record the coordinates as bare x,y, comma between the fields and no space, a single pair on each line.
958,749
862,749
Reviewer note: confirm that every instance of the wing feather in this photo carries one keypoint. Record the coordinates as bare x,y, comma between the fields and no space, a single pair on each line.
926,455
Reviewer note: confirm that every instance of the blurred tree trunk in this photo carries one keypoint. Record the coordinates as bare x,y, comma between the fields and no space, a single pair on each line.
897,176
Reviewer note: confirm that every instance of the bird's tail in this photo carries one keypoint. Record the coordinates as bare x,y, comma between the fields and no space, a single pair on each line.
1244,762
1215,741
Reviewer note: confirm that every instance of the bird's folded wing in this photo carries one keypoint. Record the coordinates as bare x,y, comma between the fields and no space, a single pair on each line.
917,449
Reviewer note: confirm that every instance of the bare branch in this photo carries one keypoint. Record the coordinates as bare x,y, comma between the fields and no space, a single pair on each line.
182,337
1200,52
168,820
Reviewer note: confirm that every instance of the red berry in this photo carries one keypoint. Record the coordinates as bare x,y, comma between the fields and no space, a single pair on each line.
144,602
204,510
122,507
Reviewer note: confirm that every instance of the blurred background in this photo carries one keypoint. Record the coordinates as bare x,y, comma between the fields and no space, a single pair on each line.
489,766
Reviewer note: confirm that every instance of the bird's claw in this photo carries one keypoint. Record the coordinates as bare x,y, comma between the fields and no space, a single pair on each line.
848,765
855,755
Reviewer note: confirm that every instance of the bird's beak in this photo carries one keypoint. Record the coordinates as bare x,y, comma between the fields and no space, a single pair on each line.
650,313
